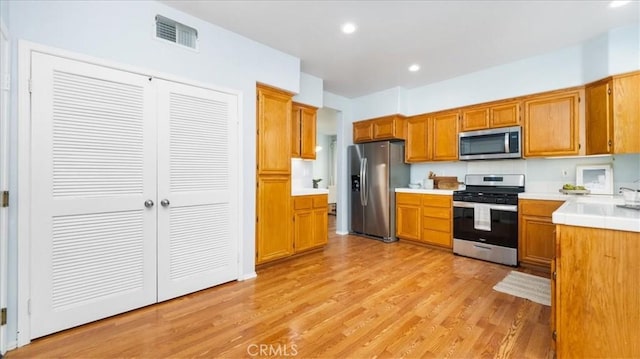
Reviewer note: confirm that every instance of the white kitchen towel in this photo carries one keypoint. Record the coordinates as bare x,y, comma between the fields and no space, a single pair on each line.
482,217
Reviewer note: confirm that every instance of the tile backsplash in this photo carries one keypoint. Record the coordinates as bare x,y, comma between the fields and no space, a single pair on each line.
541,175
301,173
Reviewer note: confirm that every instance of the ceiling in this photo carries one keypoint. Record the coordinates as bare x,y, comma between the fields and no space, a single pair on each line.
447,38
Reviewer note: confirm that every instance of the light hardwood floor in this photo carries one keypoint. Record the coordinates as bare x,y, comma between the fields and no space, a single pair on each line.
358,298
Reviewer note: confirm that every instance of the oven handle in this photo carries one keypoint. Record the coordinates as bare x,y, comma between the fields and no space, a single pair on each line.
497,207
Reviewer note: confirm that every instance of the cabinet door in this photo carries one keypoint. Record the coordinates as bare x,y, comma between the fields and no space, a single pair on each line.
274,131
320,226
475,119
303,229
626,113
505,114
551,125
445,136
408,216
599,118
417,147
308,133
295,131
537,245
408,222
273,222
383,129
362,131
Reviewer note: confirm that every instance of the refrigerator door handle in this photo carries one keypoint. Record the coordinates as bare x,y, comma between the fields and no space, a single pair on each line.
361,182
365,186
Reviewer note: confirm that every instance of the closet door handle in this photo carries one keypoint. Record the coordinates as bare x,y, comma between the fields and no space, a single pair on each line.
165,203
148,203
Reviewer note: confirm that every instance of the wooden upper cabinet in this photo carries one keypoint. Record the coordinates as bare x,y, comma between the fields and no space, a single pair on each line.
599,117
378,129
498,114
445,136
475,118
362,131
612,113
432,137
274,131
505,114
626,113
303,125
417,145
551,124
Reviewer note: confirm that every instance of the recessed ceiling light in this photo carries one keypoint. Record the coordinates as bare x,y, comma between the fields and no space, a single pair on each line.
414,67
618,3
349,28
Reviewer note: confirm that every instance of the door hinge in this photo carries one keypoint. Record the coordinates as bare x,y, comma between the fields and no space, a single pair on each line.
3,316
30,86
554,335
554,275
579,99
5,199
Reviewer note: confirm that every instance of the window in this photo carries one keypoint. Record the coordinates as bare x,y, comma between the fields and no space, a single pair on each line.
176,32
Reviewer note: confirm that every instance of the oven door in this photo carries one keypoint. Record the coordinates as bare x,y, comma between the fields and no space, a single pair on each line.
503,227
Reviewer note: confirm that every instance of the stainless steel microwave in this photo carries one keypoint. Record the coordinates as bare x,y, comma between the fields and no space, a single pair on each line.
497,143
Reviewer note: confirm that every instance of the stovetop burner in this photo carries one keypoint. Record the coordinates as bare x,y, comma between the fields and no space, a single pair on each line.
497,189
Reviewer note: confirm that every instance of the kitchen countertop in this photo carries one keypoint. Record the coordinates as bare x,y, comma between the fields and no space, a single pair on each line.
308,191
548,196
597,212
444,192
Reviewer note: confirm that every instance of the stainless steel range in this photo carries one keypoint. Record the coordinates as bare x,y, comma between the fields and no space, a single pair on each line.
485,218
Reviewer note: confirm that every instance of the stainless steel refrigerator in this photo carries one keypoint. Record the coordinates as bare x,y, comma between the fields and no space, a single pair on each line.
376,169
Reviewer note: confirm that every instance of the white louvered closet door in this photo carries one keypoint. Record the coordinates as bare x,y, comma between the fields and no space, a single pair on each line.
93,165
197,174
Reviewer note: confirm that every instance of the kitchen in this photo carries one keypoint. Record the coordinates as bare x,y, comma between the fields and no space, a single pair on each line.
571,66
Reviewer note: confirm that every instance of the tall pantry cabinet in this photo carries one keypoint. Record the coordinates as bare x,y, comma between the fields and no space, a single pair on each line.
273,193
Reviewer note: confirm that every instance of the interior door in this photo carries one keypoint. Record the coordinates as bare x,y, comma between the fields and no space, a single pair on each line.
93,167
4,176
197,180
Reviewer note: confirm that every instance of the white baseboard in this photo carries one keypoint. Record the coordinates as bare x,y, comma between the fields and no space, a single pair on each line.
342,233
247,276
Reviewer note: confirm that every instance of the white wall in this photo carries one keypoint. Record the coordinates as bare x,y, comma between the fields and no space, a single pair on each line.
541,174
122,31
344,138
321,164
387,102
310,90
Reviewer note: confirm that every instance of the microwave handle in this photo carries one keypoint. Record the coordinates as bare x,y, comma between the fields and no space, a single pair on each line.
506,142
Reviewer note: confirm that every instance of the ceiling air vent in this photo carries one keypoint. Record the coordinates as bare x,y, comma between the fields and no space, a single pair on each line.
176,32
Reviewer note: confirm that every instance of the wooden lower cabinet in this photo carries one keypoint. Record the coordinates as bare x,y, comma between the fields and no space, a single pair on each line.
597,296
273,218
408,216
437,220
310,222
536,232
424,218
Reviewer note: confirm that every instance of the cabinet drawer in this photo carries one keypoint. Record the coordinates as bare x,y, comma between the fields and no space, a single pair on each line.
435,237
436,224
320,201
435,200
408,199
538,208
436,212
302,202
